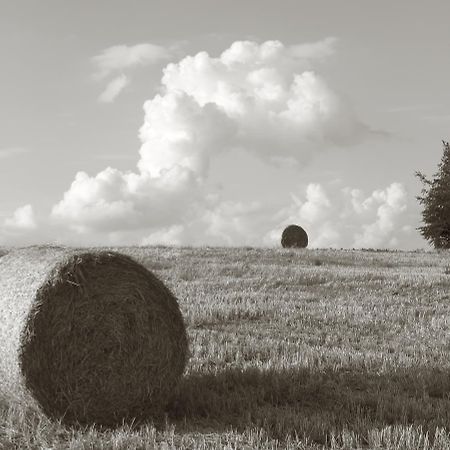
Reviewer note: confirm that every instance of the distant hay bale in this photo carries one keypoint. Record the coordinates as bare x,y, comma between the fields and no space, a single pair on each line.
91,338
294,236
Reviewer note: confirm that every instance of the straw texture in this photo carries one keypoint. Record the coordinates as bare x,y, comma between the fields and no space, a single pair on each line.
88,337
294,236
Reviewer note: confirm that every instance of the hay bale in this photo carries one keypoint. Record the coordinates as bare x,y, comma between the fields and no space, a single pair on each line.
88,337
294,236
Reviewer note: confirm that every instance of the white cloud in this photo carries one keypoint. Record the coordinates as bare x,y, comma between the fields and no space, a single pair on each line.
120,57
315,50
221,222
264,99
390,204
251,98
165,236
22,219
178,132
113,89
333,216
272,100
345,217
114,201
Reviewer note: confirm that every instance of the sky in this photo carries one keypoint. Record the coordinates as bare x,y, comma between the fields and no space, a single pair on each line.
220,123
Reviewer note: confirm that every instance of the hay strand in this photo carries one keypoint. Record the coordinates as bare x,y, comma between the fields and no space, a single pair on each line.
88,337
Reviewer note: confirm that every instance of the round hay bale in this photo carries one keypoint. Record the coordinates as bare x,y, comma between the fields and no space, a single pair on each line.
294,236
88,337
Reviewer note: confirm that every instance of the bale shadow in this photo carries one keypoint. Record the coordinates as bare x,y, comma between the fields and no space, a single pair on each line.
305,403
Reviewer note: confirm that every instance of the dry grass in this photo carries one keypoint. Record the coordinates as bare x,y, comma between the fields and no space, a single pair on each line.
294,349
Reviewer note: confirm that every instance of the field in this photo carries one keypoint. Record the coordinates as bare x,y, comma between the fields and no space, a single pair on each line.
292,349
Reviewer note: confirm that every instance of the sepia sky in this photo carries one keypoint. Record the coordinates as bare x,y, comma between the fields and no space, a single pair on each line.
219,123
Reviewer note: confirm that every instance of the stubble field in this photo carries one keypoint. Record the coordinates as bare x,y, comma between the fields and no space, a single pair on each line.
292,349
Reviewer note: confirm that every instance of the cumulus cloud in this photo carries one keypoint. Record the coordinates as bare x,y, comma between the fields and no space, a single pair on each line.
22,219
120,57
264,99
221,222
345,217
253,97
23,227
333,215
113,89
390,204
278,106
114,201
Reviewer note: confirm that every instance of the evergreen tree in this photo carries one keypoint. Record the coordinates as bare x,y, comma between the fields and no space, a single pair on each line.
435,199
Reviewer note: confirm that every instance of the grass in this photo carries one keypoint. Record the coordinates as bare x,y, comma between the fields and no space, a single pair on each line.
292,349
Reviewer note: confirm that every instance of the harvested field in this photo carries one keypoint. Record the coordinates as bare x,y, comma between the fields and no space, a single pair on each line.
292,349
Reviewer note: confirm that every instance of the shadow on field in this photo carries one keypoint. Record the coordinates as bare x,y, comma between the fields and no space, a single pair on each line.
310,403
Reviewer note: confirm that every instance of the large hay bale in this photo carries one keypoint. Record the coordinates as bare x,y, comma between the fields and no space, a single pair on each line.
88,337
294,236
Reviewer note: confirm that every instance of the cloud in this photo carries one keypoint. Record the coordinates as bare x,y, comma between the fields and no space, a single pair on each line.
113,201
333,216
253,97
390,205
178,132
172,235
113,89
120,57
23,227
221,222
11,151
339,216
22,219
271,98
315,50
264,99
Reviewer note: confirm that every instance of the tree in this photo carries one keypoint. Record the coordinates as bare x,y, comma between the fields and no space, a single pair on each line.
435,199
